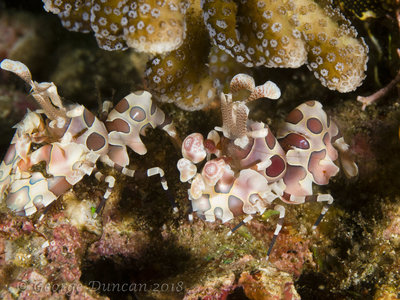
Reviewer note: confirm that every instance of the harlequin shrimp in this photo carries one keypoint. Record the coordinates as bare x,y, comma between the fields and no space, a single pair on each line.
244,168
70,140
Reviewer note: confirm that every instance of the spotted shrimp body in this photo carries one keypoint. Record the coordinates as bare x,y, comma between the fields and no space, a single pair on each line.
252,168
29,130
308,137
130,118
262,152
70,141
227,196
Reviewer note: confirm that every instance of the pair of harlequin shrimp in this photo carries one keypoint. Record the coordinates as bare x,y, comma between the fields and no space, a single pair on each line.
246,168
70,140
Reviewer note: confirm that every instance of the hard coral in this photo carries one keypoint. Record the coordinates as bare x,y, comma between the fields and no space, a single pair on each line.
336,56
194,74
288,34
255,33
222,67
149,26
182,75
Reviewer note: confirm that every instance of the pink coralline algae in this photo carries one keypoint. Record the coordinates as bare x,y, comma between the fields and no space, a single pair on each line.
217,288
392,232
263,284
31,285
64,253
292,254
268,284
54,269
116,242
13,227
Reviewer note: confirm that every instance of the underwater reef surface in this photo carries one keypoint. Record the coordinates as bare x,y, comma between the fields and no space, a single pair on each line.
138,248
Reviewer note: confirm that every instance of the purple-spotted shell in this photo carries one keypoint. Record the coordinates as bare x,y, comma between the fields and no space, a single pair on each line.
70,141
307,137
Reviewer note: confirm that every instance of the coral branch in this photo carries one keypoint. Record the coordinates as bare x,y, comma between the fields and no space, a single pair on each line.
147,26
385,90
289,34
379,94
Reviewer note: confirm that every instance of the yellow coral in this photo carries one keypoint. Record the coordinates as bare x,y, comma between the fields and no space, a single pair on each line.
255,32
337,58
193,75
288,34
181,76
222,68
74,15
149,26
268,33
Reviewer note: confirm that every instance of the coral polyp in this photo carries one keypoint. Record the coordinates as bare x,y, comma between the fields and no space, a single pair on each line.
256,33
151,26
181,76
335,55
289,34
253,33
